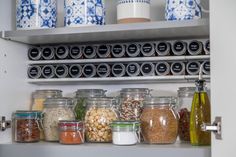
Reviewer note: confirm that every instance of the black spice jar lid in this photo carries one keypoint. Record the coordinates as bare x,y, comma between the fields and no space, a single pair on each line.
163,48
147,69
162,68
118,69
34,71
75,71
147,49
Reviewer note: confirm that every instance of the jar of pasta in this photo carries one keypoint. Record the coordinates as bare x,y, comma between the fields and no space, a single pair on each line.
80,100
99,115
159,121
56,109
27,126
131,102
39,96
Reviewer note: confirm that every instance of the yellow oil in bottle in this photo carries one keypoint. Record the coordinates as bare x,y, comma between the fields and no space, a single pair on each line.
200,114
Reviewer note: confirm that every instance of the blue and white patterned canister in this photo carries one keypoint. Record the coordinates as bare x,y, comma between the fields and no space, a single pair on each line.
183,10
34,14
84,12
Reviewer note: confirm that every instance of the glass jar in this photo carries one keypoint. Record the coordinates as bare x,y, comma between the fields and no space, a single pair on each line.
125,132
27,126
99,115
159,121
131,102
56,109
185,98
71,132
80,100
39,96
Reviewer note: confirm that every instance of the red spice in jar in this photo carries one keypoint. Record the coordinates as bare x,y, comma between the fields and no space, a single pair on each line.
184,124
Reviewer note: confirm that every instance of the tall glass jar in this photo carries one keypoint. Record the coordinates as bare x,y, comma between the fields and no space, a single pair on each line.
80,100
159,121
185,98
27,126
131,102
39,96
99,115
56,109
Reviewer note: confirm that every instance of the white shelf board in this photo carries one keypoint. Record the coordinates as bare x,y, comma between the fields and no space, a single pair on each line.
102,150
112,80
112,60
114,32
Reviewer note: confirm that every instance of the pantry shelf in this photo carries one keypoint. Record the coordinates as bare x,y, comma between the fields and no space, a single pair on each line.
114,32
102,150
123,80
113,60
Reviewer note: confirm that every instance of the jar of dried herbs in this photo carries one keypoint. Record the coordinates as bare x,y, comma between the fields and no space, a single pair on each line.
81,97
159,121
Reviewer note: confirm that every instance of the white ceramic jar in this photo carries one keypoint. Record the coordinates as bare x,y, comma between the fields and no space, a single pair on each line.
84,12
131,11
34,14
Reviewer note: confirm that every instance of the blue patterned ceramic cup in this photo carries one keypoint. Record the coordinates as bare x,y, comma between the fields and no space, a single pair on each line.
33,14
183,10
84,12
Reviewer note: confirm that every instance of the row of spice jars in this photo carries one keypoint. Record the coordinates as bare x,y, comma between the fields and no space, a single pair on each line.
144,49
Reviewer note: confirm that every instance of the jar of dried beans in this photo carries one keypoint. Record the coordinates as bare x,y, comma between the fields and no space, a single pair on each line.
185,97
56,109
100,114
71,132
159,121
27,126
131,102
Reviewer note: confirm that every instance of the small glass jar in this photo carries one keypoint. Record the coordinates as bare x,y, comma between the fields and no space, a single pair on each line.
131,102
185,98
99,115
56,109
125,132
159,121
27,126
81,99
39,96
71,132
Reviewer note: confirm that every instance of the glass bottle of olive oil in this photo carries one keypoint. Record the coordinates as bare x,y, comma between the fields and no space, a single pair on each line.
200,114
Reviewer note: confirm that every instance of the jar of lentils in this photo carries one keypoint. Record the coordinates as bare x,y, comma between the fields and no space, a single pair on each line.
185,97
56,109
99,115
159,121
27,126
131,102
80,100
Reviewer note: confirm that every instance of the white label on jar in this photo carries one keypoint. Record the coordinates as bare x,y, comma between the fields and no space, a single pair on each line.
124,138
133,10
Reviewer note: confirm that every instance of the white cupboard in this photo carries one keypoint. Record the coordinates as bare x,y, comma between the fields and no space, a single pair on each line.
16,88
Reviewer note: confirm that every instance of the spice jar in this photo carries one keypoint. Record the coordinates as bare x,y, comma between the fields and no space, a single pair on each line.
39,96
133,50
206,67
162,68
179,48
34,53
99,115
131,102
48,53
89,52
133,69
56,109
207,47
71,132
61,71
193,67
147,69
62,52
195,47
159,121
103,51
34,71
89,70
75,52
185,98
27,126
163,48
125,132
178,68
81,100
133,11
118,69
103,70
48,71
118,50
75,71
147,49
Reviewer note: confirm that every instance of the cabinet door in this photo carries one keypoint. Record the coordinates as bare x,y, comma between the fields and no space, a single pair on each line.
223,82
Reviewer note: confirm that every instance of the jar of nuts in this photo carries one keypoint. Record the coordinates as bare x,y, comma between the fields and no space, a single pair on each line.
131,102
99,115
159,121
80,100
27,126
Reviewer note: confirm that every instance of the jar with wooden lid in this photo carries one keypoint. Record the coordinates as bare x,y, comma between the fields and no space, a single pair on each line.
159,121
100,113
133,11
